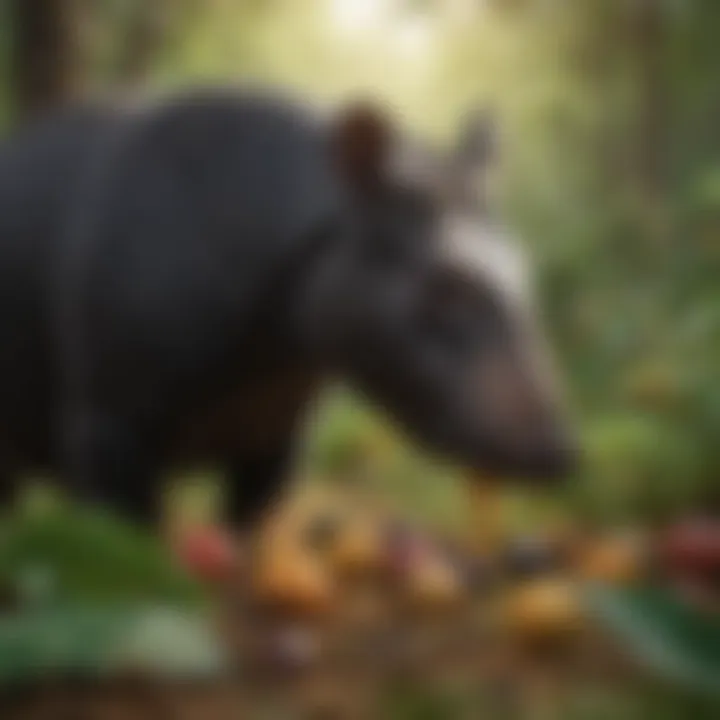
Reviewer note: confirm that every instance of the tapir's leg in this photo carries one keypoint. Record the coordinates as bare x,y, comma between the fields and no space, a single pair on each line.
112,463
8,489
254,482
263,462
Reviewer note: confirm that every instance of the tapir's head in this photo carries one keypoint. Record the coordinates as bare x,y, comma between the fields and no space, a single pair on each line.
431,313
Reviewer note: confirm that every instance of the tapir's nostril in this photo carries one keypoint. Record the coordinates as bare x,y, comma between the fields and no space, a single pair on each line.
556,455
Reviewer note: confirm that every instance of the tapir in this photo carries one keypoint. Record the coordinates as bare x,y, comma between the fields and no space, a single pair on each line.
180,278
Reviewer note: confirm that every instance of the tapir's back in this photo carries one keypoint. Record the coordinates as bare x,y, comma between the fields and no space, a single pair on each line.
142,242
205,200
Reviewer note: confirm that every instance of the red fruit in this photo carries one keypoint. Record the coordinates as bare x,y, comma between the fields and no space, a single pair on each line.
207,553
692,548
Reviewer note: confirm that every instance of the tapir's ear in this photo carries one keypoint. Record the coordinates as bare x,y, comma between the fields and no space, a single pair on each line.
362,138
476,158
478,146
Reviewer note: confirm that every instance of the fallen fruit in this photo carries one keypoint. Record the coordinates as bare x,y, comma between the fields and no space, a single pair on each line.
434,584
293,582
358,548
544,610
614,560
207,553
692,549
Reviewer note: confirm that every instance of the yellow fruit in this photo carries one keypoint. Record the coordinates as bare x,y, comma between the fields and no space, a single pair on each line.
358,548
544,609
434,585
616,560
291,581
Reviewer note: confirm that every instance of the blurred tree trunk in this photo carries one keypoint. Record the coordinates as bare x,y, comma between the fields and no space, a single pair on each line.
144,39
650,39
45,59
152,32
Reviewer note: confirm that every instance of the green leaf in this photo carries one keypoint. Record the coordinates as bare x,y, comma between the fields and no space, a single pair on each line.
668,636
82,556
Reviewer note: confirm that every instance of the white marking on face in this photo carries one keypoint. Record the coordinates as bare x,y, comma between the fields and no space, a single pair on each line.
488,253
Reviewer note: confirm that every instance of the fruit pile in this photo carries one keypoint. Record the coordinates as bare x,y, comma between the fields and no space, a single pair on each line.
335,591
308,561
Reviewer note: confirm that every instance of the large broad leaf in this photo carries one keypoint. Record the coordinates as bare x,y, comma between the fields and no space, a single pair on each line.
79,556
59,642
167,642
91,595
666,635
103,641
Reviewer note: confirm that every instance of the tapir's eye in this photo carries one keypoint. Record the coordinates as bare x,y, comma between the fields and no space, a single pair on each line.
459,313
451,289
446,312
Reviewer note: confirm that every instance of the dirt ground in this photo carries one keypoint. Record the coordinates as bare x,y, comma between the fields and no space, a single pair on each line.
370,657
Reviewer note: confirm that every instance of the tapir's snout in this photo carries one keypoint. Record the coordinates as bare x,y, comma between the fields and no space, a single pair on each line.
552,455
527,432
546,456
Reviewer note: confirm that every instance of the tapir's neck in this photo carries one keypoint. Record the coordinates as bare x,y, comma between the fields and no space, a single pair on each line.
295,318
